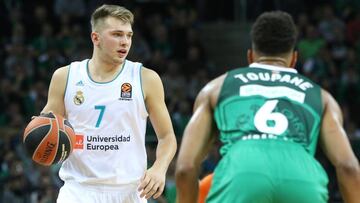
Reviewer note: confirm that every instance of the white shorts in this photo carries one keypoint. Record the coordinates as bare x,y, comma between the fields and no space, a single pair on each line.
72,192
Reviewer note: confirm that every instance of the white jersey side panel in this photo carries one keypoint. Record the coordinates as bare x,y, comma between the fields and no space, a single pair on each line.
110,123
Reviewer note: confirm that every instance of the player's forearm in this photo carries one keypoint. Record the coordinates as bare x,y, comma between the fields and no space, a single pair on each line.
165,151
187,184
349,180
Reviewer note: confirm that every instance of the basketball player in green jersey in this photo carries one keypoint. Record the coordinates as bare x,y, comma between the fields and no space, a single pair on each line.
270,120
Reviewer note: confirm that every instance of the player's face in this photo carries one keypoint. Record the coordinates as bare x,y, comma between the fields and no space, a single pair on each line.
115,39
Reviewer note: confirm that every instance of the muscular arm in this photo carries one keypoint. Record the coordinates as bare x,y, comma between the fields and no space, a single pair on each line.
337,148
197,140
55,101
160,120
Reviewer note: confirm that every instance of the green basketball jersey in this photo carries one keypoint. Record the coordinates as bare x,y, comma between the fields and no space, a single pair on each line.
263,102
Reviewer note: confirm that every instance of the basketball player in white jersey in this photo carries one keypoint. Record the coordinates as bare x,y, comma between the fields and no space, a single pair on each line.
107,99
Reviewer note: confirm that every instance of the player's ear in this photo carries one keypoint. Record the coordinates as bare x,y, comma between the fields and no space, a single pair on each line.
95,38
250,56
294,58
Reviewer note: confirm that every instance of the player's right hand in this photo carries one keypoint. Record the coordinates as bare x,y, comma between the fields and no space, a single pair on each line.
152,184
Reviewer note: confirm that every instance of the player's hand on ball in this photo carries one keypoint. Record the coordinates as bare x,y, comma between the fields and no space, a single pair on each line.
152,184
41,114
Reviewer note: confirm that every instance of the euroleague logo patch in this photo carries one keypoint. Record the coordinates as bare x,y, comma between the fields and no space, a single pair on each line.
126,92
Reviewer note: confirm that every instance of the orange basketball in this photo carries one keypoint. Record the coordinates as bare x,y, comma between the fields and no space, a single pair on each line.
204,187
49,139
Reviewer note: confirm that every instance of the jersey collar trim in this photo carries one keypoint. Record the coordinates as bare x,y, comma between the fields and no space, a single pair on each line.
271,67
95,82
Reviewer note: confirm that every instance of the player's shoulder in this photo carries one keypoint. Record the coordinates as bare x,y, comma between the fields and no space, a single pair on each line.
331,105
61,72
149,75
151,82
212,90
327,98
59,79
214,84
149,71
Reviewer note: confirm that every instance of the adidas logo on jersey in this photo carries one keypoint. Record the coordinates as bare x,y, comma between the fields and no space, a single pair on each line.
80,83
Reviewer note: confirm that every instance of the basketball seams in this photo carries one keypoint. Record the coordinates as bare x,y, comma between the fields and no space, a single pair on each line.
44,138
70,133
49,161
69,137
62,128
39,145
64,144
61,124
58,135
32,125
34,128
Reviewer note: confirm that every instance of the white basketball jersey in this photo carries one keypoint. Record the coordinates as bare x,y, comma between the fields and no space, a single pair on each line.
109,119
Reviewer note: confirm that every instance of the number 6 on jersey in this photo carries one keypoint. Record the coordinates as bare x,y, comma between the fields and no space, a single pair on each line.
265,114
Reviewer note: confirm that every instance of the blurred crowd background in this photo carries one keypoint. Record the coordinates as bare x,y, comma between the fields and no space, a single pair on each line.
39,36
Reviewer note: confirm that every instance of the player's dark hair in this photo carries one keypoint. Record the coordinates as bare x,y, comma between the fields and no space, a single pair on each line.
273,33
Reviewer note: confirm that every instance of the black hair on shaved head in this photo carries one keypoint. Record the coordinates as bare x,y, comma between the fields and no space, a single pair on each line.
274,33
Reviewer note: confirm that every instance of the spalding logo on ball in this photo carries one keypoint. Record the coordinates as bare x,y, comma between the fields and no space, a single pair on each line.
49,139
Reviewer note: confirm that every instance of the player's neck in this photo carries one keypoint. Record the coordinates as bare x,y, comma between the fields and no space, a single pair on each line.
272,60
103,71
104,65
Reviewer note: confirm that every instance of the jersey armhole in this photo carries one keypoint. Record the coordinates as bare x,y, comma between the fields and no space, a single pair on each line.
221,90
141,88
67,81
66,86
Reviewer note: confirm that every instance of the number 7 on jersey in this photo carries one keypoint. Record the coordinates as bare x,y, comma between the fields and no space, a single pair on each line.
102,110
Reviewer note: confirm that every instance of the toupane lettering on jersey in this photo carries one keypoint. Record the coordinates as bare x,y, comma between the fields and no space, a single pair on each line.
275,77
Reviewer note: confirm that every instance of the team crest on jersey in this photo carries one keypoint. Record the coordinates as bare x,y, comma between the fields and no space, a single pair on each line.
126,91
79,98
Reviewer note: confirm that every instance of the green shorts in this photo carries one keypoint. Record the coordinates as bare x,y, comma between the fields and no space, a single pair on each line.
268,171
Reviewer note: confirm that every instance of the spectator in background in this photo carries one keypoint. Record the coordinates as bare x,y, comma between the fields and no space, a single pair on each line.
310,45
330,25
41,17
353,29
73,8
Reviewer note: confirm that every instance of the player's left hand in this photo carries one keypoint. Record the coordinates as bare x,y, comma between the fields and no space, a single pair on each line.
152,184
